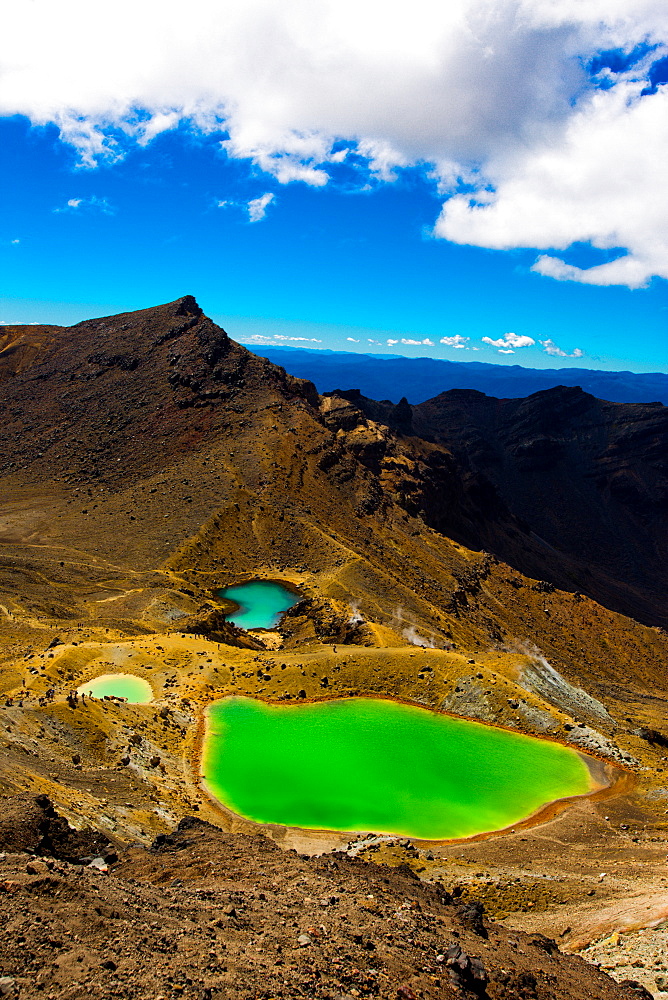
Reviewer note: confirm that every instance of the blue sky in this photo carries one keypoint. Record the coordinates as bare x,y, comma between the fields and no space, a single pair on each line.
534,234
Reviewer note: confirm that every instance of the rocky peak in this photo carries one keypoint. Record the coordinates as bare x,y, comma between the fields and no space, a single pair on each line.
187,306
75,394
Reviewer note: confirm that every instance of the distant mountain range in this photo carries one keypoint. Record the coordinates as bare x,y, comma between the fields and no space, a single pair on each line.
381,376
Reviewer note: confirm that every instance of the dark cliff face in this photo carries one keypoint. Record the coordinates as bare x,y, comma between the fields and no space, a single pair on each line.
563,486
585,480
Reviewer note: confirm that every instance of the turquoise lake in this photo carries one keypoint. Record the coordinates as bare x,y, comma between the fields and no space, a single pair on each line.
262,603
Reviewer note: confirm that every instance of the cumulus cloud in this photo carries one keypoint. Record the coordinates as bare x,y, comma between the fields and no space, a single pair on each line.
93,203
311,340
625,270
271,338
416,343
534,138
456,341
257,207
550,347
601,183
509,342
352,340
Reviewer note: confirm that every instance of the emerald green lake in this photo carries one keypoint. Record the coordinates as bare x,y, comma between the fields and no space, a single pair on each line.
262,603
365,764
134,689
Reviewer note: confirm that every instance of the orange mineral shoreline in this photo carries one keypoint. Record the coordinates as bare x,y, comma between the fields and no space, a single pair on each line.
608,779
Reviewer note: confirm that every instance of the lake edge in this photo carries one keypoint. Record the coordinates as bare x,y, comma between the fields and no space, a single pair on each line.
604,775
286,585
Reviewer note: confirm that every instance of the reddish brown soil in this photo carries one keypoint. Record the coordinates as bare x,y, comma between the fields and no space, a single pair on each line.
205,914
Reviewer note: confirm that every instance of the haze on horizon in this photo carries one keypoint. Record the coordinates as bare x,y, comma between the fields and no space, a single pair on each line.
464,181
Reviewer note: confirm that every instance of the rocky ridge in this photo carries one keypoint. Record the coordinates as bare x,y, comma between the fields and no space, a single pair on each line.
542,480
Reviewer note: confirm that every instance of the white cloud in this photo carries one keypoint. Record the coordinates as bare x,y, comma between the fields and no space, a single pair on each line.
257,207
456,341
417,343
14,242
93,203
550,347
391,343
282,336
601,182
625,270
509,341
494,94
352,340
271,338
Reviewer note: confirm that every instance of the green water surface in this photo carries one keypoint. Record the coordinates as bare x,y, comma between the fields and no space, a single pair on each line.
134,689
261,603
363,764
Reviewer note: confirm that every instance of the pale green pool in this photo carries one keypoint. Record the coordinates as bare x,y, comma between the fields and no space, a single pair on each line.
134,689
363,764
262,603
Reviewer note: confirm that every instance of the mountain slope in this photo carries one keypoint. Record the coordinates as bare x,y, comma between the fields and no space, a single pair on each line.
147,460
588,478
225,915
563,486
